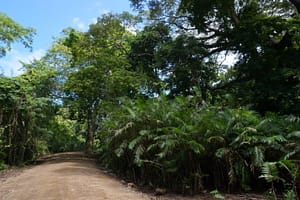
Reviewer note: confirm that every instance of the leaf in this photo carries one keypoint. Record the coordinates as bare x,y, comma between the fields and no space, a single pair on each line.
219,139
196,147
161,155
133,143
144,132
270,172
131,112
258,156
120,150
138,153
222,152
152,146
294,134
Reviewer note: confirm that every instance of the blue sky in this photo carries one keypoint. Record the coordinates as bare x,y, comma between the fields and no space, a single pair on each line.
49,18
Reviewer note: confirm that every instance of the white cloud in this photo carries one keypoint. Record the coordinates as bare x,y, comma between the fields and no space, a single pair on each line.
79,23
104,11
10,64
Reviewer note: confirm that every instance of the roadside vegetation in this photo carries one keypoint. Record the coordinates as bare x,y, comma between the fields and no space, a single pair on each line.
150,95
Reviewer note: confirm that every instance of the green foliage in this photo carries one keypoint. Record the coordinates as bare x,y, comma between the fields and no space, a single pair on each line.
184,67
237,142
153,140
263,35
100,70
63,136
145,57
42,148
11,31
290,195
272,173
27,108
2,166
172,143
13,111
157,104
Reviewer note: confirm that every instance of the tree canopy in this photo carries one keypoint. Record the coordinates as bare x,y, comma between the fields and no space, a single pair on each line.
264,35
11,31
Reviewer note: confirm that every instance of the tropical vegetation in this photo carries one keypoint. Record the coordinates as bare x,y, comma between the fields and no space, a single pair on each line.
151,95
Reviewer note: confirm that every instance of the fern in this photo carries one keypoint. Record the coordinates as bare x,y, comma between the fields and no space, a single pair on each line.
257,156
270,172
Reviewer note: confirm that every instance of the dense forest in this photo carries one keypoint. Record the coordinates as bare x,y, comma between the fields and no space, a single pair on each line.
149,95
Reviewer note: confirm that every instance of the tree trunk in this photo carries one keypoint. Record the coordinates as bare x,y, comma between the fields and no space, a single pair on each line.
24,124
91,123
89,141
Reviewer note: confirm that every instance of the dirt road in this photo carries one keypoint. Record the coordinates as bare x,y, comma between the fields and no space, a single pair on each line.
69,176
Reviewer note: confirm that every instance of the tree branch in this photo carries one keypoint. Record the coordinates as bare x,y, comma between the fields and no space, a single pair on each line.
234,15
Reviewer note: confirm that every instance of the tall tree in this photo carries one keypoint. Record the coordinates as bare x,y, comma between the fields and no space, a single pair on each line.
263,34
99,70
